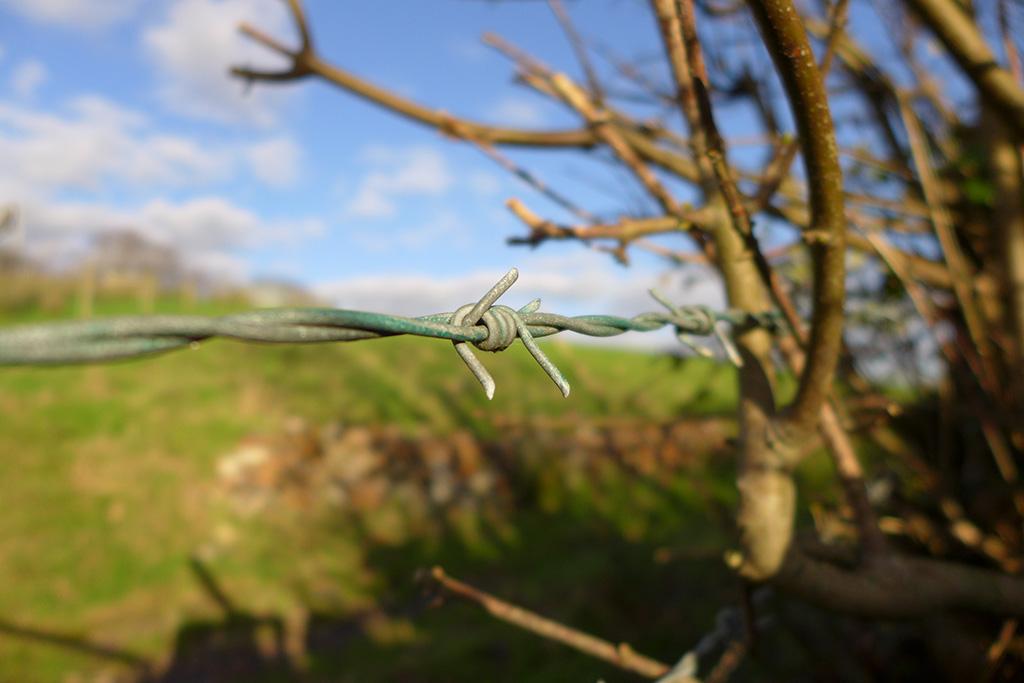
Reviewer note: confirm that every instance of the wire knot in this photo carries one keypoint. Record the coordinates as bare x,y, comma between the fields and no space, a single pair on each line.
698,319
501,323
504,325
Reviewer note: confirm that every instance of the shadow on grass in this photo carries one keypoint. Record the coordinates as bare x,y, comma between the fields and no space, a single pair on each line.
661,590
569,565
237,647
613,546
581,575
75,643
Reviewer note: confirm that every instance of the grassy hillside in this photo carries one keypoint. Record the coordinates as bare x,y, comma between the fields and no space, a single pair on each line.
110,487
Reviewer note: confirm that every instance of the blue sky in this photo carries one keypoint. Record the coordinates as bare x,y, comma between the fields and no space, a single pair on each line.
119,113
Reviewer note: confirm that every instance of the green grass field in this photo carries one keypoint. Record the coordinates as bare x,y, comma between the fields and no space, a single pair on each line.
109,487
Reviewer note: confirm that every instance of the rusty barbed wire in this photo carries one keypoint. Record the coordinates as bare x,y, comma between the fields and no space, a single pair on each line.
483,324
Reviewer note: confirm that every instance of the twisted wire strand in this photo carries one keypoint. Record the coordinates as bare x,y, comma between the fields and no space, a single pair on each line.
126,337
486,326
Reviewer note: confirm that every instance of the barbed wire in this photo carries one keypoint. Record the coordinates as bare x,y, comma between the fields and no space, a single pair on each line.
483,324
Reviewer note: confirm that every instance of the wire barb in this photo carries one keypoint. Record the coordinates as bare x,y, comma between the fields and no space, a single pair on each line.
503,326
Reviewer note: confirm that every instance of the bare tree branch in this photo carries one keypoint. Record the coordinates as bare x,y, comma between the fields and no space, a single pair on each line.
307,63
965,42
900,586
787,43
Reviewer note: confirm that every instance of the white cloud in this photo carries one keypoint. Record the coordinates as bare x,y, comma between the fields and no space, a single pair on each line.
96,142
207,223
27,76
97,146
74,13
514,110
275,161
205,230
406,172
195,45
198,224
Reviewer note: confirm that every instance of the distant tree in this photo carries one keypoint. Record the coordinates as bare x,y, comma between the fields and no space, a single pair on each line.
127,254
907,175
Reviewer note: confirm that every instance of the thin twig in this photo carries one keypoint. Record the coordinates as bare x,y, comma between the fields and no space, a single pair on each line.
625,230
495,155
837,24
728,662
599,121
955,259
621,655
579,47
